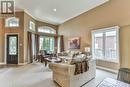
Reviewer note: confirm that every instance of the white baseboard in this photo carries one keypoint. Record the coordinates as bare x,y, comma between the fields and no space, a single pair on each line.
22,63
18,63
2,63
107,69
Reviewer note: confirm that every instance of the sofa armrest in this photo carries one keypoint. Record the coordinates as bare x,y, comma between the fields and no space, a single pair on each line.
64,69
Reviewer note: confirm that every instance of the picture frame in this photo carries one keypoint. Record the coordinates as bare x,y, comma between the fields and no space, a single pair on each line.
74,43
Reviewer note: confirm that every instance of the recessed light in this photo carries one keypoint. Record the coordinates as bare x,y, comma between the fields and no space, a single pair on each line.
54,9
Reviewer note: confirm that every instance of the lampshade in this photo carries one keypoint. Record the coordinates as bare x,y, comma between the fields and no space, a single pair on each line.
87,49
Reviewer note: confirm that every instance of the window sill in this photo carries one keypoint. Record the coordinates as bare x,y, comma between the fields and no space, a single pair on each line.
107,69
114,61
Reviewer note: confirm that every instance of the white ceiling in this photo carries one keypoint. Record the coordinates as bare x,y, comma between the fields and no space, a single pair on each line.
66,9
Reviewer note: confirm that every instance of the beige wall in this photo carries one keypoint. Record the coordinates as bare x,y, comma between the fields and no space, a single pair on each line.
115,12
27,19
5,30
40,24
1,41
125,46
22,30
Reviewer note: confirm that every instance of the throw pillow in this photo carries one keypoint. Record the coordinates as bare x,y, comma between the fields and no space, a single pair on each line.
79,58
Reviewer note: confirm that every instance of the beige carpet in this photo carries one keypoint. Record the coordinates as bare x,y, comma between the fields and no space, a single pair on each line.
37,75
31,75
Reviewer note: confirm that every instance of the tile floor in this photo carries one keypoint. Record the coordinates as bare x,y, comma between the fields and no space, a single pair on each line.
37,75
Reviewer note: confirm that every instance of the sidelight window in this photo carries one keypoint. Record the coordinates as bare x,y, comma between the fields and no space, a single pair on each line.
12,45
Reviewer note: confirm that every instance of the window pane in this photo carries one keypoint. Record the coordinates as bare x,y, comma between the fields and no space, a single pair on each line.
32,25
52,44
12,22
46,29
111,45
43,30
41,43
12,45
98,45
33,44
47,43
58,50
105,44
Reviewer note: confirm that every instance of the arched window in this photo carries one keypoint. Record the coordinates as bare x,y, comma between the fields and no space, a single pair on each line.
46,29
12,22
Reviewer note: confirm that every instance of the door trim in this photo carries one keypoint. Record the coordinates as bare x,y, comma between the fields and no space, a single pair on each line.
5,59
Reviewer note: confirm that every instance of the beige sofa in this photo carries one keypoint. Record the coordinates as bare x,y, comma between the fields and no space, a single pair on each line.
63,74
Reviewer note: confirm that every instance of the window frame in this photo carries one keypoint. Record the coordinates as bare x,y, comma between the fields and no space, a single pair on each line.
32,26
47,28
115,28
7,21
49,44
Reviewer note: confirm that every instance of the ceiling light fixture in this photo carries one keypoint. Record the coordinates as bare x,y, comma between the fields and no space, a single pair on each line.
54,9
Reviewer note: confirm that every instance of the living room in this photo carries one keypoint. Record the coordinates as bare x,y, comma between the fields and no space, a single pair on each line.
45,45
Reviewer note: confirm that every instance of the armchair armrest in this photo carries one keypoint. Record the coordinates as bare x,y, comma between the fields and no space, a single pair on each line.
64,69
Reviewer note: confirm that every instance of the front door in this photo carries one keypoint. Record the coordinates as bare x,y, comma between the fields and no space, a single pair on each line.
12,49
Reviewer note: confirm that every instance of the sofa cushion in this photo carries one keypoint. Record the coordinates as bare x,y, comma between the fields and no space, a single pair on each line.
64,74
79,58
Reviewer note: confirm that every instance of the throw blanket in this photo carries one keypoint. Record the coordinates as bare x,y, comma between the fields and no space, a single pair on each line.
81,67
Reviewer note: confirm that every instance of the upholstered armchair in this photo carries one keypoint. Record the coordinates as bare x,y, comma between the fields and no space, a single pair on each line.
63,74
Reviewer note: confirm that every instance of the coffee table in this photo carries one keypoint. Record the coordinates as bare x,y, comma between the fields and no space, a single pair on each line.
52,60
109,82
